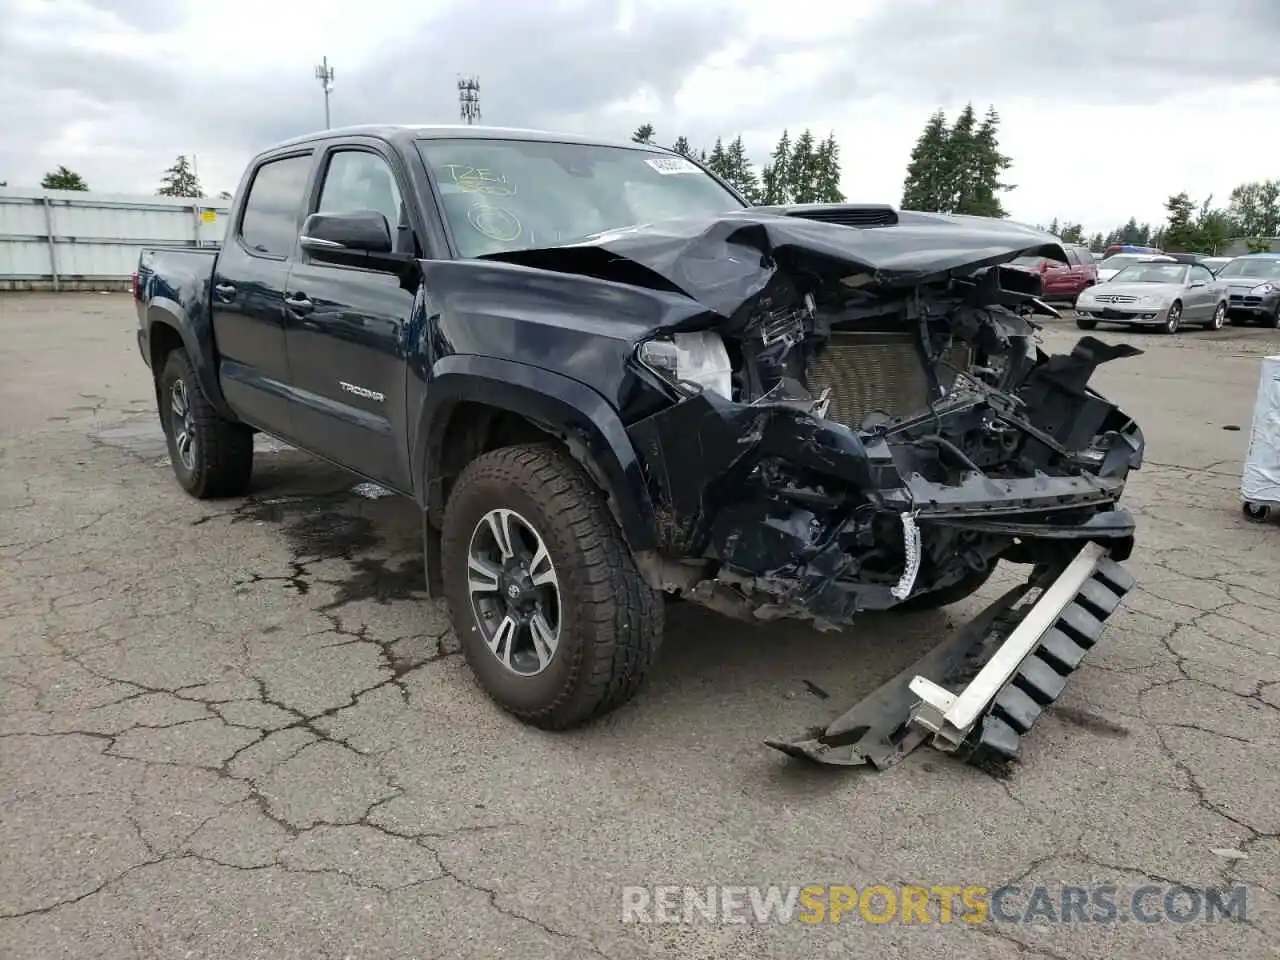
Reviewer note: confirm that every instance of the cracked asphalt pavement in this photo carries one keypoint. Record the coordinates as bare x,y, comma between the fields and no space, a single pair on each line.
237,729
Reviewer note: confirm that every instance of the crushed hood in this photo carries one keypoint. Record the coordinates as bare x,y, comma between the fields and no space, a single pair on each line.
724,262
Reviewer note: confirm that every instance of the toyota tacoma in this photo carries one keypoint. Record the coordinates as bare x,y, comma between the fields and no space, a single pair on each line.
608,381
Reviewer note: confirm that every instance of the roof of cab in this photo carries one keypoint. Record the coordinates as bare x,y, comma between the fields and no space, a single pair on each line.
403,132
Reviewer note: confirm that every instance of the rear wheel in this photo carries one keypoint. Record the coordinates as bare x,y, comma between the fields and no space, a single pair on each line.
554,619
1219,317
1256,512
211,457
1174,319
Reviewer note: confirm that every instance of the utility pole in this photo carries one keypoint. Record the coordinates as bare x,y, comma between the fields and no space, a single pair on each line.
324,73
469,99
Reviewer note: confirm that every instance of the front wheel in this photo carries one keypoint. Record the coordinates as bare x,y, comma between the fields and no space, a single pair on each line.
1219,317
211,457
1174,319
1273,321
1084,324
554,619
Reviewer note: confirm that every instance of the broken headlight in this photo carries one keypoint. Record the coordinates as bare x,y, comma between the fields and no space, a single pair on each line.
691,362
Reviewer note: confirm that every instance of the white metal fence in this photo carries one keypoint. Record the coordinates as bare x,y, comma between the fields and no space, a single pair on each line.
76,240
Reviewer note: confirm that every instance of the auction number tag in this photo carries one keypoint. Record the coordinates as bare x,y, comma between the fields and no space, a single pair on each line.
669,165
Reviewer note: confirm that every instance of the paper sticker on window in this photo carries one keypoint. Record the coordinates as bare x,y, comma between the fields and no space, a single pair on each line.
209,216
669,165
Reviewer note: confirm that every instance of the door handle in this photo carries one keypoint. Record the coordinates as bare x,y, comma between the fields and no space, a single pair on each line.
299,303
225,290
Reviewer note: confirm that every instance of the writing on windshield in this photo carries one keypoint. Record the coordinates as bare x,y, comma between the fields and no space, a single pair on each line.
501,195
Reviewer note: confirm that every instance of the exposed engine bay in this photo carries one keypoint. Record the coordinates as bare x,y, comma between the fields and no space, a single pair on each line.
860,418
864,416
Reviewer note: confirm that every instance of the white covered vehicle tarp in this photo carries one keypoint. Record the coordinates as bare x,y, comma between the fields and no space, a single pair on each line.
1260,482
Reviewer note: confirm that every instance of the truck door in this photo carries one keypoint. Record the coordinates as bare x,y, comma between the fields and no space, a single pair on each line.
344,330
247,299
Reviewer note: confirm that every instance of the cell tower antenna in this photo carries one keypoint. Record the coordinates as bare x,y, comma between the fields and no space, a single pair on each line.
324,73
469,99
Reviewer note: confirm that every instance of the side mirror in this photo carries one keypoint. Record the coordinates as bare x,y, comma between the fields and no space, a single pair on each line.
361,238
362,230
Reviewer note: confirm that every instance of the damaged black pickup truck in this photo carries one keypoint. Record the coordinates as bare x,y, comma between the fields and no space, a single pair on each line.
604,377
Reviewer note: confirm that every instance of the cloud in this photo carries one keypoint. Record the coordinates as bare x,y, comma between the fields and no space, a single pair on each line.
117,88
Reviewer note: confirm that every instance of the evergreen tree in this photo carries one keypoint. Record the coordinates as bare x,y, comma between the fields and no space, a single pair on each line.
63,179
644,133
775,177
984,184
827,181
802,170
925,185
960,161
681,146
180,181
718,162
739,172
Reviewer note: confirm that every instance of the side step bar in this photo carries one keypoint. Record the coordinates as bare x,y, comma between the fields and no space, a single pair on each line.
975,694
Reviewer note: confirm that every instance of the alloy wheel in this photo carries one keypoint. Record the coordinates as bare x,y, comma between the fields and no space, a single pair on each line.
1219,317
1174,319
183,424
515,592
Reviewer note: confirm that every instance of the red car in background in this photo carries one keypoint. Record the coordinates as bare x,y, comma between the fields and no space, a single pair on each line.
1063,281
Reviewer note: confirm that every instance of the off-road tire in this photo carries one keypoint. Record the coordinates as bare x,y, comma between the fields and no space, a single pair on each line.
970,584
1084,324
223,454
611,620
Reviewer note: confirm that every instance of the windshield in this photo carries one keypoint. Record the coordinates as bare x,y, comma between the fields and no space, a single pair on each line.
1152,273
1265,268
503,195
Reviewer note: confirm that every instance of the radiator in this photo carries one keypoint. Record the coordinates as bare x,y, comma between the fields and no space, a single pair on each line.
875,372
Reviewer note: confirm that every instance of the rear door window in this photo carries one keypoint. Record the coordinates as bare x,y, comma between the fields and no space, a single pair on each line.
273,208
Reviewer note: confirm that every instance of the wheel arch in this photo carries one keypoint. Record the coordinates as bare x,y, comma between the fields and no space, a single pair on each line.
476,404
166,332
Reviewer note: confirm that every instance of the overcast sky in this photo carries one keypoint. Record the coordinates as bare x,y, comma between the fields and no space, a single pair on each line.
1108,106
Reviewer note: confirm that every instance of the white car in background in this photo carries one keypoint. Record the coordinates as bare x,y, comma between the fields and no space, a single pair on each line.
1109,267
1156,292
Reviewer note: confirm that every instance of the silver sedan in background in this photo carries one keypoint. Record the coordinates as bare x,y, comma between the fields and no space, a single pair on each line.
1162,294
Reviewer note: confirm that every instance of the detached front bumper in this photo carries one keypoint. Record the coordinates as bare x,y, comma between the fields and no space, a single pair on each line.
977,693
